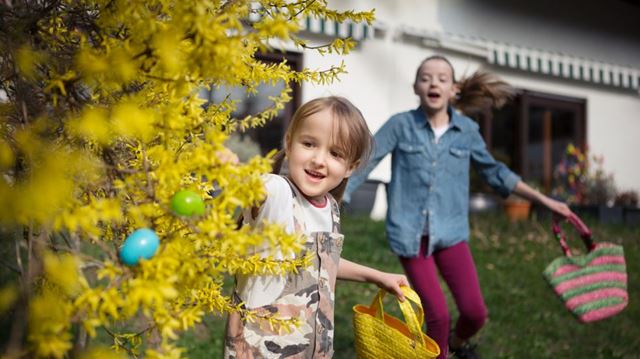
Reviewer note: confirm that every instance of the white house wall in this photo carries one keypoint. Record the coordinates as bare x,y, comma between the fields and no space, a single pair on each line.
425,13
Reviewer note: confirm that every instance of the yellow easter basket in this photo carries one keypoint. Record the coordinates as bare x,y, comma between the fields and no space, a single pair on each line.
379,335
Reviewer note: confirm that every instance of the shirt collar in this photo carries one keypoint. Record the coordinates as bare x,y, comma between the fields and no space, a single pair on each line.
455,118
419,117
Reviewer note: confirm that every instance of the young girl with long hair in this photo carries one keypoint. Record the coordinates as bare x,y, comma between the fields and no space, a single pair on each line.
427,220
324,143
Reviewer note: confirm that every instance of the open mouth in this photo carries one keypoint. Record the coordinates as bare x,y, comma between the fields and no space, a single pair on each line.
433,95
314,174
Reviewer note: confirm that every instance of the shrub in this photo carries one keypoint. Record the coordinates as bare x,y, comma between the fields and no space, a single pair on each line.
100,125
627,199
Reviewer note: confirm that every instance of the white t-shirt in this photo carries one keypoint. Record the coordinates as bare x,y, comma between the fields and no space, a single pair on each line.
278,208
261,290
439,131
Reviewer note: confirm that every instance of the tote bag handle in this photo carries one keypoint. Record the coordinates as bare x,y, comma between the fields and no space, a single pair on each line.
580,227
414,321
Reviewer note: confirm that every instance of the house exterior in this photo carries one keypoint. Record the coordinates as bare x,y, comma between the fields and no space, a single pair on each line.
576,65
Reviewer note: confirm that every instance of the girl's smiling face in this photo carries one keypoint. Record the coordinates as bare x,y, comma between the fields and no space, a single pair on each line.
317,164
435,85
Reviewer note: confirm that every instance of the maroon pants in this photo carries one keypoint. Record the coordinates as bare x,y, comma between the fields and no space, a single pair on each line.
456,267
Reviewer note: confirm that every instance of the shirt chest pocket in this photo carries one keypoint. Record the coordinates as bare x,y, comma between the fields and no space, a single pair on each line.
411,156
458,160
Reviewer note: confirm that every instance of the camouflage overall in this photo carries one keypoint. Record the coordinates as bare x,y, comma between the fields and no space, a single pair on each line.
308,295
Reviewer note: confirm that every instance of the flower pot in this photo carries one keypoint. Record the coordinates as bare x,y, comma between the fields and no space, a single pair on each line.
632,216
517,210
601,213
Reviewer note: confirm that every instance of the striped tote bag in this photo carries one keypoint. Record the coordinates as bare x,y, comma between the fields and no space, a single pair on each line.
593,286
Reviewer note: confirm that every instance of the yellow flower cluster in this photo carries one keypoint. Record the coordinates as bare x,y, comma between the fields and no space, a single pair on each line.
100,125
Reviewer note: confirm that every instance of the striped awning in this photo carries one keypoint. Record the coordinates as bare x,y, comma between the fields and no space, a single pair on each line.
561,65
356,31
321,26
533,60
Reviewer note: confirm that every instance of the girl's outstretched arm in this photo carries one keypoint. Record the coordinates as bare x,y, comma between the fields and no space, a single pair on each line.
390,282
524,190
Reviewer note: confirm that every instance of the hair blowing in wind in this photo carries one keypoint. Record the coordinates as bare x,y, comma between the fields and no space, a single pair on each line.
481,92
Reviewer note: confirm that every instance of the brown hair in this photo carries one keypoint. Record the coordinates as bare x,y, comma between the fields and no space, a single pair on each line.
479,92
353,135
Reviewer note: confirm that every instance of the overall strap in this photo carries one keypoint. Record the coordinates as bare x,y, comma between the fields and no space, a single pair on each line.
335,214
294,189
298,217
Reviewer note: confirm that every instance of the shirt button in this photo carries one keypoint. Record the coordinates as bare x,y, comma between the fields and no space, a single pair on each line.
424,213
433,163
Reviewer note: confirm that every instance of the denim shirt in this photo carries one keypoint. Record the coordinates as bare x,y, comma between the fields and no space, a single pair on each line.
429,180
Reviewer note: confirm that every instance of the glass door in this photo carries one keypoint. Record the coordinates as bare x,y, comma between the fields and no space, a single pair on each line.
531,133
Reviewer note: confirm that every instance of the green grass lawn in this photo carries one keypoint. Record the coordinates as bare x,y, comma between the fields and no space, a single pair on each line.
526,319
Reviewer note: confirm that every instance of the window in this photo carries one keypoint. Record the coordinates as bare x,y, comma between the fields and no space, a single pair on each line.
531,133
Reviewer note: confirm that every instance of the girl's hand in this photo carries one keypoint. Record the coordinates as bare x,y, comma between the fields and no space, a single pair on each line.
558,207
227,156
391,282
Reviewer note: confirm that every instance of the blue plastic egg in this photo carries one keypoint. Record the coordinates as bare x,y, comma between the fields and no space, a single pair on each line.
142,243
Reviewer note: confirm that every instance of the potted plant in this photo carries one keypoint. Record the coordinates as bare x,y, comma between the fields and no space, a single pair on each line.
582,182
601,193
516,208
628,200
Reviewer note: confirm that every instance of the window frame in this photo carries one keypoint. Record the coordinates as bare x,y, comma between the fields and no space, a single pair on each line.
523,102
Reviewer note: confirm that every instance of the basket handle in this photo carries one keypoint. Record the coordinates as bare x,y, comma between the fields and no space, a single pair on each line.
414,321
581,228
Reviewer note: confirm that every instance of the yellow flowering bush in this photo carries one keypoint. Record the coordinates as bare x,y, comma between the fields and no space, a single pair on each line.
100,125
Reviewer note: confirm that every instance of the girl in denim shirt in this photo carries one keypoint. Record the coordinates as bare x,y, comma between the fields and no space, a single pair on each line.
427,220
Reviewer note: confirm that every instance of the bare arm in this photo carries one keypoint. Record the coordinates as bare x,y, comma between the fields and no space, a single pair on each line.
524,190
390,282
